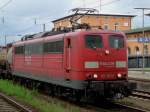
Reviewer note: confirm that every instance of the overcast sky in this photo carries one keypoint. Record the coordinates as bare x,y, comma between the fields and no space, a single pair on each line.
19,15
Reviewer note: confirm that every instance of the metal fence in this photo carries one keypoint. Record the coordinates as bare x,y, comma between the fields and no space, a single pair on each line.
136,61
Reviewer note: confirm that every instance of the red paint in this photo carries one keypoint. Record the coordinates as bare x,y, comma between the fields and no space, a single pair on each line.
70,64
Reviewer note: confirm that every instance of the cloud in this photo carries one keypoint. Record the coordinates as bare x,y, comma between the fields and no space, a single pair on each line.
19,15
36,7
23,12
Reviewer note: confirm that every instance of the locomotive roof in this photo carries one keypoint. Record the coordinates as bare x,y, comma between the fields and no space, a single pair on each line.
60,36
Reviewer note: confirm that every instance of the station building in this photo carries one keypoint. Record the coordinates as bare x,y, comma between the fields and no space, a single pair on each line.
105,21
136,46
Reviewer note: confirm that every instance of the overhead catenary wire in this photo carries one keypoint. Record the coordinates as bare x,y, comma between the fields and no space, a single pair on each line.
108,3
3,6
30,27
98,2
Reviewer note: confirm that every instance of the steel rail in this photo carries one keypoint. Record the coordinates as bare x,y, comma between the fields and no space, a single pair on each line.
138,79
15,104
141,94
131,108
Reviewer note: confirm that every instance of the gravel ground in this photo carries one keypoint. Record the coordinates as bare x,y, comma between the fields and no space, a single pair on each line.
136,102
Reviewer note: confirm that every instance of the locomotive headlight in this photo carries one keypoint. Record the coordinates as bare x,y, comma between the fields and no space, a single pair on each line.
107,51
95,76
119,75
121,64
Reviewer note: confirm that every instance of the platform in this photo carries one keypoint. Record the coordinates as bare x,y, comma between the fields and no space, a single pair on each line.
139,75
142,80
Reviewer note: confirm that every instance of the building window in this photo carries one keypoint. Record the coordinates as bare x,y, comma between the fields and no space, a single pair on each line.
106,26
106,17
129,51
134,36
116,26
126,24
115,17
123,18
146,50
137,50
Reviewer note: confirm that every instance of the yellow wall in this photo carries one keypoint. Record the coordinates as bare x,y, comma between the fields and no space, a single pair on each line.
132,43
108,20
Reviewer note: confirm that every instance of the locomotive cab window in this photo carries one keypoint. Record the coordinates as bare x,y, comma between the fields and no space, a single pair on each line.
116,41
19,50
93,41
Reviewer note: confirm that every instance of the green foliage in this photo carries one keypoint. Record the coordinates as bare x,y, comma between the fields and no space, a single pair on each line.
32,98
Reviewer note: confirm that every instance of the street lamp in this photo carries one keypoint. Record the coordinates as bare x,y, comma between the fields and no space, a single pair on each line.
5,40
143,9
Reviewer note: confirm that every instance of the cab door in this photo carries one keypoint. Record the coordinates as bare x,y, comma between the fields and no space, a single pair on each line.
67,58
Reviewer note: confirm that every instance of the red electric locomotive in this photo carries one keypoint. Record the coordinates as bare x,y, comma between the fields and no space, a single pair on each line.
89,62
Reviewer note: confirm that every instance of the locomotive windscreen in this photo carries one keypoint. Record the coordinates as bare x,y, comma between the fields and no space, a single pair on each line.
93,41
116,41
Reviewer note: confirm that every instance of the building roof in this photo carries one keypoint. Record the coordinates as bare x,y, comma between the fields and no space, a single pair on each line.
137,30
147,14
120,15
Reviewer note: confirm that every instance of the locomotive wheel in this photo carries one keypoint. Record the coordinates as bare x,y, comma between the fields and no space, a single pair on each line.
47,88
78,95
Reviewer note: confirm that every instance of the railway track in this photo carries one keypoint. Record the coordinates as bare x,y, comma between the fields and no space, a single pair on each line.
113,107
9,105
141,94
130,108
101,106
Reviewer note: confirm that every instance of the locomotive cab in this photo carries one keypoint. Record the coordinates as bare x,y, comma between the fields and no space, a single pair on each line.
105,56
